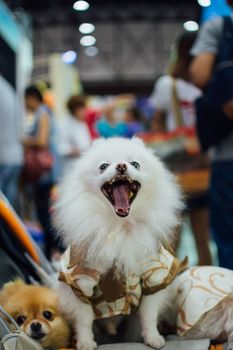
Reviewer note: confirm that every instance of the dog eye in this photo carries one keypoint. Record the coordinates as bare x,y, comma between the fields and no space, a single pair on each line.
103,166
48,315
136,165
20,320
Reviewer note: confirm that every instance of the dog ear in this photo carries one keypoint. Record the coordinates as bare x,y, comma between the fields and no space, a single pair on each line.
99,141
138,141
10,288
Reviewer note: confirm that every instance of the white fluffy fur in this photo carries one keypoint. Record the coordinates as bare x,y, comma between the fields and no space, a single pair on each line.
85,217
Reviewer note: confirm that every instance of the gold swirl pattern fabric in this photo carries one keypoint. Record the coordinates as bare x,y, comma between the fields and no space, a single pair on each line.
199,290
113,294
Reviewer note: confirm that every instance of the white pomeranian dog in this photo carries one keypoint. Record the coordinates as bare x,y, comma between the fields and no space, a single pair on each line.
118,204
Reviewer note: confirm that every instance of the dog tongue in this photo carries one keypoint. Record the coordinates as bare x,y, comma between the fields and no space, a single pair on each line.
120,194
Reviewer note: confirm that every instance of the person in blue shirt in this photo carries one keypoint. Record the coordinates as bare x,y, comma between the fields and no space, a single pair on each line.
107,126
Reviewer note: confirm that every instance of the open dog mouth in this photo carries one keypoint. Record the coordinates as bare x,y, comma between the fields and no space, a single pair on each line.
121,192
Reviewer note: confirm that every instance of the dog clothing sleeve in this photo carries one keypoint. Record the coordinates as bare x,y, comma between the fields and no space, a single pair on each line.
80,278
159,272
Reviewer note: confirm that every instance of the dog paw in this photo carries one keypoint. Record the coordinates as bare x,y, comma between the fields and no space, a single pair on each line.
155,341
87,345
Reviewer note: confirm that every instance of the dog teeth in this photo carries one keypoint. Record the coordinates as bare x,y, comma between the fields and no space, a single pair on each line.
114,180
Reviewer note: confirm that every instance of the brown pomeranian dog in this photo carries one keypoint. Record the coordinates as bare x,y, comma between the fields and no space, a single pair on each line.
36,311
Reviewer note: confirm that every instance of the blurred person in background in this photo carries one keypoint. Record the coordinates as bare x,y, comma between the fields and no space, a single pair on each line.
11,150
74,136
41,135
165,119
107,125
134,122
161,98
92,116
205,52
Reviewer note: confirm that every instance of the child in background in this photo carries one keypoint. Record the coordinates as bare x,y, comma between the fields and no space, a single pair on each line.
107,126
134,123
74,137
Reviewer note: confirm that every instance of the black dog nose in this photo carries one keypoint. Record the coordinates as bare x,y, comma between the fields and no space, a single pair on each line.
36,326
121,167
